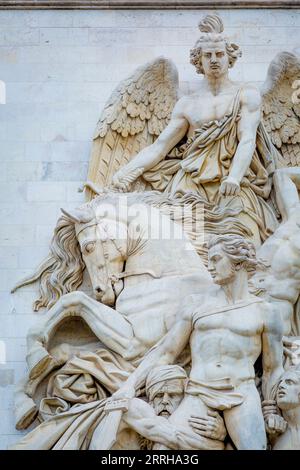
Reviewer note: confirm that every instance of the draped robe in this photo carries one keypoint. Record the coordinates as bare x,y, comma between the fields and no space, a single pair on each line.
205,160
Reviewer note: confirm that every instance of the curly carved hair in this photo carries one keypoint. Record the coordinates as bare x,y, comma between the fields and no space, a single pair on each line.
212,27
240,250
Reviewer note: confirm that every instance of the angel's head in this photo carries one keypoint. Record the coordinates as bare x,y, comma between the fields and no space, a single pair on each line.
213,54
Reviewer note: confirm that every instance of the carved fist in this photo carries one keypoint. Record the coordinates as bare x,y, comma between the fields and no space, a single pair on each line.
120,182
230,187
123,179
275,424
211,426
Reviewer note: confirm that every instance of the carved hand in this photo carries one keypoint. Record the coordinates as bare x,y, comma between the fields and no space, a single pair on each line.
275,424
211,426
230,187
123,178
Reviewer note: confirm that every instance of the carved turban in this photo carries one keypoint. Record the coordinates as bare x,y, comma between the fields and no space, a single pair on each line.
161,374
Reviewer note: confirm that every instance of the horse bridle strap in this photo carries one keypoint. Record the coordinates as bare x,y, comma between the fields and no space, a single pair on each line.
156,275
84,226
139,272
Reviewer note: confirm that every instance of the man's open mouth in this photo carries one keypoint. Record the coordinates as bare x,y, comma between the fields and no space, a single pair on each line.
164,414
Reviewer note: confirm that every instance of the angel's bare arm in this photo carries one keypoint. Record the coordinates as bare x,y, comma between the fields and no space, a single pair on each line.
171,135
250,117
247,127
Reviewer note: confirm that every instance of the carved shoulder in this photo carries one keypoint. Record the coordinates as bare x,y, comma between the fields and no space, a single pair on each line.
180,107
190,306
251,97
272,319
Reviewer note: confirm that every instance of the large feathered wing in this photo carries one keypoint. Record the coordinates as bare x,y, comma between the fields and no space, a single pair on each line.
281,109
136,113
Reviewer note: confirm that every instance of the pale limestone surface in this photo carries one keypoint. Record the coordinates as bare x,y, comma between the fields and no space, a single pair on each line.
226,336
59,70
288,401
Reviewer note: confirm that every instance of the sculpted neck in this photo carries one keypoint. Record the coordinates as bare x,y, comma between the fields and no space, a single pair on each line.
216,84
292,416
237,289
162,248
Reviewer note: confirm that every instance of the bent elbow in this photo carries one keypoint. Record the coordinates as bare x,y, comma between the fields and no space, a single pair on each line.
167,358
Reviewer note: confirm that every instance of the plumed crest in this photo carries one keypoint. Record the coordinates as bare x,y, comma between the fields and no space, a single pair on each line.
136,113
211,24
281,109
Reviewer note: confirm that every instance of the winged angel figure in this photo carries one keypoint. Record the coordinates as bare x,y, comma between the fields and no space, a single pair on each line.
214,145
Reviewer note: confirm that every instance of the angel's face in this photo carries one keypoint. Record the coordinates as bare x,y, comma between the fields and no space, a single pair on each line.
215,61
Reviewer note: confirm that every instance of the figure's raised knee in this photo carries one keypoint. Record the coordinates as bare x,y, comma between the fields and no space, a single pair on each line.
35,332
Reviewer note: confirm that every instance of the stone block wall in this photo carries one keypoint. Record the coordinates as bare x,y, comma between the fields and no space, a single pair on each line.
59,68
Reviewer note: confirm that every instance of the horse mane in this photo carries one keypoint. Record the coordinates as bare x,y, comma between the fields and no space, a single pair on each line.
62,271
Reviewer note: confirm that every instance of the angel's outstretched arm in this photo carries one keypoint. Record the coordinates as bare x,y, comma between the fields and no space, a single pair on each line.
170,136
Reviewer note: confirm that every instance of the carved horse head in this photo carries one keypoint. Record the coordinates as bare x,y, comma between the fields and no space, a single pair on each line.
103,245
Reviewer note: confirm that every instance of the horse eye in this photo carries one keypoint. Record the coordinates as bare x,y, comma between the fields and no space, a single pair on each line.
89,247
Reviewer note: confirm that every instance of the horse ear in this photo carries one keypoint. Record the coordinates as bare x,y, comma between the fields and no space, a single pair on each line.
79,215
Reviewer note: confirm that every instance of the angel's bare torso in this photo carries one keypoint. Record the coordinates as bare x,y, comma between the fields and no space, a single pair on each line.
213,101
205,106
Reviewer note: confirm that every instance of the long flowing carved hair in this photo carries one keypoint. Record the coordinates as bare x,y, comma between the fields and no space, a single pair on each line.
62,270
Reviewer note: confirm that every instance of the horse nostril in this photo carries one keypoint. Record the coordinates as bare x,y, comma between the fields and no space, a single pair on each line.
98,290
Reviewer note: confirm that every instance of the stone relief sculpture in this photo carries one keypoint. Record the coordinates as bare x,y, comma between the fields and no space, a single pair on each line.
288,402
189,337
226,338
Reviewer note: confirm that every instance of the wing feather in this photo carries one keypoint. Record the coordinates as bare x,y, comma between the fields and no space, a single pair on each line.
281,116
135,114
